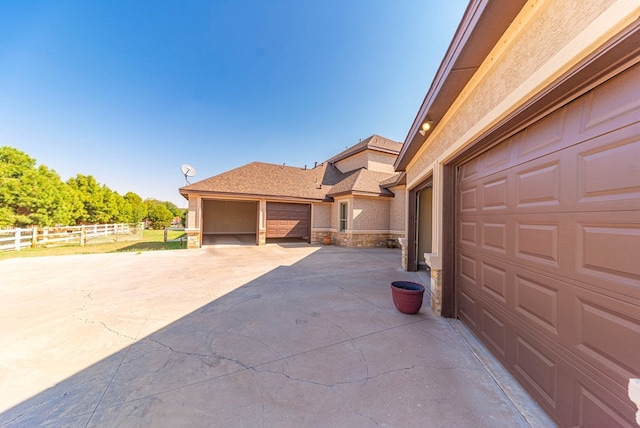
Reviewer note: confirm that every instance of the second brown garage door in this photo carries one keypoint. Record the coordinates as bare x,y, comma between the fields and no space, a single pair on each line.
548,254
287,220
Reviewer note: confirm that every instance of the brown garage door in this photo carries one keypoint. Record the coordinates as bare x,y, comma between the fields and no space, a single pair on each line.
548,254
287,220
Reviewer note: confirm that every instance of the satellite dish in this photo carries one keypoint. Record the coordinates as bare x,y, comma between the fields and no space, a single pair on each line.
188,171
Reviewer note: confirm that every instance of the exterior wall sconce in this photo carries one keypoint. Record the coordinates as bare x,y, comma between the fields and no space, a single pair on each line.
426,126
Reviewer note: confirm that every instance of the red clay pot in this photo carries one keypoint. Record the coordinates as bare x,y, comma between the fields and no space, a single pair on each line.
407,296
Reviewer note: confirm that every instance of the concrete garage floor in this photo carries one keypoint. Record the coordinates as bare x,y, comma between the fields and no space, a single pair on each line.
279,336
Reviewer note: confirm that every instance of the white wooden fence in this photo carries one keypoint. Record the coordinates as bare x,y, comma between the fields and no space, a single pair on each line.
15,239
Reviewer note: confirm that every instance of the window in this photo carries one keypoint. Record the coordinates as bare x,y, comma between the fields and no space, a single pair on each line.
343,216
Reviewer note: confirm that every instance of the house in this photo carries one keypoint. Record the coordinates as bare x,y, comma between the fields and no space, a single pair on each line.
356,198
523,196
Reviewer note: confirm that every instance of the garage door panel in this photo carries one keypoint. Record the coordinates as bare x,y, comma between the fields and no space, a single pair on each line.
538,185
610,252
605,328
494,330
494,280
552,373
601,174
494,194
539,367
470,170
494,236
548,254
537,301
467,307
609,172
543,137
537,242
591,410
607,248
599,248
468,269
469,233
286,220
469,199
615,103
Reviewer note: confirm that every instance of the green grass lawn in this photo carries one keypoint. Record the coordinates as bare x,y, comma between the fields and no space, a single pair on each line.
152,240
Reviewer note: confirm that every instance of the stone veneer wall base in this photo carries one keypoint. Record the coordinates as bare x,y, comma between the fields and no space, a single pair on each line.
436,292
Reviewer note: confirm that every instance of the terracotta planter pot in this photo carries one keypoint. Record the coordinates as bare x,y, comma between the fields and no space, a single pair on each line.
407,296
326,240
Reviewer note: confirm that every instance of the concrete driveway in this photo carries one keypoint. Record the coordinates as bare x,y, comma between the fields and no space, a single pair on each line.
275,336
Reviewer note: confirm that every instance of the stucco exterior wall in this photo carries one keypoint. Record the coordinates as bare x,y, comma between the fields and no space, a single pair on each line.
371,160
370,214
359,160
321,216
382,162
545,40
193,219
397,209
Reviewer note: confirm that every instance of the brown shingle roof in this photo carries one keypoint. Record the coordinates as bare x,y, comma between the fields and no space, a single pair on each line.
375,142
264,179
259,179
362,181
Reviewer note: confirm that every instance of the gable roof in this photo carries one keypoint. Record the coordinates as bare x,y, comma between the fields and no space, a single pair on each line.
270,180
363,181
321,183
375,142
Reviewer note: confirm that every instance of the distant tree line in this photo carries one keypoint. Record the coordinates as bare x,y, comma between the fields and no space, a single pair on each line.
33,195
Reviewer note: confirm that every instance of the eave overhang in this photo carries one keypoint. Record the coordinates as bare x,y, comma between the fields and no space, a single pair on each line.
248,196
482,25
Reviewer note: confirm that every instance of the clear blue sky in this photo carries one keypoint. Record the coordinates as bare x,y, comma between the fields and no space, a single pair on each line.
127,91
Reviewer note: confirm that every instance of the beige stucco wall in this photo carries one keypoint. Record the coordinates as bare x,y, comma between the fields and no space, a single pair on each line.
371,160
382,162
545,40
370,214
321,216
397,209
193,217
359,160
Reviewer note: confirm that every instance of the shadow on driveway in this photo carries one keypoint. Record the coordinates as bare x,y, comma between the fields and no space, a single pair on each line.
280,335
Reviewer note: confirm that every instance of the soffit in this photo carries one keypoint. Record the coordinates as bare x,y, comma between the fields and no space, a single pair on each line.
482,25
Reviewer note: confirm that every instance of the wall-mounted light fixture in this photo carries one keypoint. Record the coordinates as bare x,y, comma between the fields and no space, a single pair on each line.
426,126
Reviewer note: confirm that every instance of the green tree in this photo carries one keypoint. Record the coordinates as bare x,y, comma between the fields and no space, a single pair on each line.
31,195
159,216
137,207
94,199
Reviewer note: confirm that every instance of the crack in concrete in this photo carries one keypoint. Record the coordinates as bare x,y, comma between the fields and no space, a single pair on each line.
357,411
30,409
364,379
106,327
89,299
215,355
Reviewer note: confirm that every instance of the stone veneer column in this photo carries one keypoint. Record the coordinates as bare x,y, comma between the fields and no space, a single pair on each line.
435,265
436,292
192,228
193,238
403,246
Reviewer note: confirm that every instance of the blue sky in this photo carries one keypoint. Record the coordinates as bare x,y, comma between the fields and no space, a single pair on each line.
128,91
